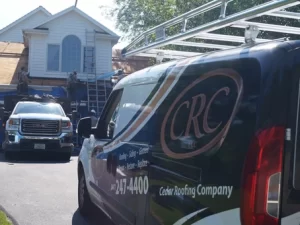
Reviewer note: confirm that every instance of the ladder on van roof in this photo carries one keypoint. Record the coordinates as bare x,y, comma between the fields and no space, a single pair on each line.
149,43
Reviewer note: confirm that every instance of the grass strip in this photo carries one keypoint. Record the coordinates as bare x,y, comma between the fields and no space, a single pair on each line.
4,220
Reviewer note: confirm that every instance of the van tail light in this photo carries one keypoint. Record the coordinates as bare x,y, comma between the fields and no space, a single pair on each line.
262,177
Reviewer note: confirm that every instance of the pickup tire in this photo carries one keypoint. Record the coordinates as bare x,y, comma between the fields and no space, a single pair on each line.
85,205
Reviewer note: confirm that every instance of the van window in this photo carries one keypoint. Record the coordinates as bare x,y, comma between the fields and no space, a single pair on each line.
110,114
133,102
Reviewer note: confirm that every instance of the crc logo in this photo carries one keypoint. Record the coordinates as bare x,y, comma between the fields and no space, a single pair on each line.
200,116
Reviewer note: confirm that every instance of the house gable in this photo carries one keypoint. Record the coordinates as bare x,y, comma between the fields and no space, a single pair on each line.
80,14
13,32
70,23
88,48
46,42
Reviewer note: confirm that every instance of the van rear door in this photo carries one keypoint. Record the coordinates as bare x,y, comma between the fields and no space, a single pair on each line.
290,207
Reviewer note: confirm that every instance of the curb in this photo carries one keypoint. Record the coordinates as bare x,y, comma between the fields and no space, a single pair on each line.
9,216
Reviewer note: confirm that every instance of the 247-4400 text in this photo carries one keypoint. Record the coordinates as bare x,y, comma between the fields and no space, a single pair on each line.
133,185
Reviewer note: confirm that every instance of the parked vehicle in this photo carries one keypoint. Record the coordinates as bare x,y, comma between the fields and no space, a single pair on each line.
208,140
40,125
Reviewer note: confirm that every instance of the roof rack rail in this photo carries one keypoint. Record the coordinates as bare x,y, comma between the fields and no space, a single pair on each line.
141,46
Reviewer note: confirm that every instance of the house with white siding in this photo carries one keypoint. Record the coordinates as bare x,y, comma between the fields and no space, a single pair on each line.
62,43
50,47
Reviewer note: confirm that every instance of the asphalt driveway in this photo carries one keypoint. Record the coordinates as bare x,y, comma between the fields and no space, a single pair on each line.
36,191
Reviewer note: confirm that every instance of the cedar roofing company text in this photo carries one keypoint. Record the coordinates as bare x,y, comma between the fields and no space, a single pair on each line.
199,190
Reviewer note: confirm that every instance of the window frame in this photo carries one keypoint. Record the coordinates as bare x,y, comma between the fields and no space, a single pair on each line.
59,57
80,54
83,60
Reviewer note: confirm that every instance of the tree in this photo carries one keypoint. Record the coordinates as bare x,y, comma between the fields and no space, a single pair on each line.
135,16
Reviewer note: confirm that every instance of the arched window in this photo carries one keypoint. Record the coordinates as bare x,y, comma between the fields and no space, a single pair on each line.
71,54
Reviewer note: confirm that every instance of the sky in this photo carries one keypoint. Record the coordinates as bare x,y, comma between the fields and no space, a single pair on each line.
14,9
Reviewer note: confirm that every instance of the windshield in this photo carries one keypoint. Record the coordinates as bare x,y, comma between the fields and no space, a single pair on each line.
40,108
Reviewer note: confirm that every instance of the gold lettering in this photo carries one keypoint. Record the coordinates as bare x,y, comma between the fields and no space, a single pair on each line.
172,134
194,118
206,128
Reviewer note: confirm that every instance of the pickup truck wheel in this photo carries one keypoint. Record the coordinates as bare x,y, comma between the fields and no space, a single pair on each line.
85,205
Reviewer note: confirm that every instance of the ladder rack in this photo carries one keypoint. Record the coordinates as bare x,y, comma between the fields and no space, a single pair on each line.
141,46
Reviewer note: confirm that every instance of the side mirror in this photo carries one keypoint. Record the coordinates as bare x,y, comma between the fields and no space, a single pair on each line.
84,127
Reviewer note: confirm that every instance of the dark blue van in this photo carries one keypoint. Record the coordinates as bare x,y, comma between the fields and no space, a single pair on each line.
208,140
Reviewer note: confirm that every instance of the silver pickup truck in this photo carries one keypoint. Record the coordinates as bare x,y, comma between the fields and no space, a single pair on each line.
38,127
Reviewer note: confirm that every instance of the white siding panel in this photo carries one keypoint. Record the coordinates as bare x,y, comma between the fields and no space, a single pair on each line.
103,56
71,23
37,56
14,34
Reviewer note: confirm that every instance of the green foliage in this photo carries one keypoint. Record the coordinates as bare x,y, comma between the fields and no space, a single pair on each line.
135,16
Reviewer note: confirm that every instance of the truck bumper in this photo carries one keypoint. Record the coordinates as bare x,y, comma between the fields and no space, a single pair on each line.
16,142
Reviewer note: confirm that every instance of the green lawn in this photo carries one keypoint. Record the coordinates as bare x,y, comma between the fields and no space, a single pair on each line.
4,220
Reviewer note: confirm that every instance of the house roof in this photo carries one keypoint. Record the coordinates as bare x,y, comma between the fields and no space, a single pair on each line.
38,9
12,57
75,9
129,64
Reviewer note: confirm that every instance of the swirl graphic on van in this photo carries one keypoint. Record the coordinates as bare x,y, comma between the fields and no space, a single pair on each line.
200,116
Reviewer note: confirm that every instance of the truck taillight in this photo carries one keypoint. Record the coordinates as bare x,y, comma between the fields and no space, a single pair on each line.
262,177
